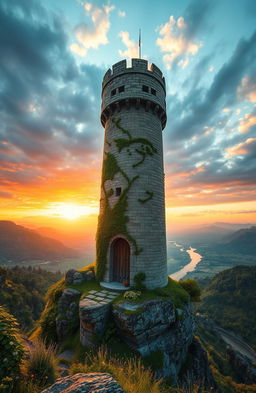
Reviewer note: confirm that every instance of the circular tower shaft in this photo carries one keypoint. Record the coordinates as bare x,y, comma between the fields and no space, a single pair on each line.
132,205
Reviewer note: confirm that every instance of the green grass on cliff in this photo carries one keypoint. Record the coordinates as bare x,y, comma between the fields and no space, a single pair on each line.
46,327
173,290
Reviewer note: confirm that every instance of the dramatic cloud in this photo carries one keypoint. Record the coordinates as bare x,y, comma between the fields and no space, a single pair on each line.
246,123
48,104
94,34
207,151
132,46
178,38
247,88
7,195
242,148
202,107
175,43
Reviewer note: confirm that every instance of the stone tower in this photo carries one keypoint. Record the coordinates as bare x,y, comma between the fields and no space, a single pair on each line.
131,236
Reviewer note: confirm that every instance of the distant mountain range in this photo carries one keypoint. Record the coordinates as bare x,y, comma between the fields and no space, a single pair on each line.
242,241
218,232
18,243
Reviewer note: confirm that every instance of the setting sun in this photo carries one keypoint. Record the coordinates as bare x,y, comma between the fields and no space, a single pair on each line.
71,211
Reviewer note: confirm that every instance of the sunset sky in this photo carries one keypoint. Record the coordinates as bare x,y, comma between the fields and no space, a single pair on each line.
53,55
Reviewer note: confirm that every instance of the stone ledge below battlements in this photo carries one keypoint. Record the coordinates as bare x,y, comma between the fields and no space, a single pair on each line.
136,103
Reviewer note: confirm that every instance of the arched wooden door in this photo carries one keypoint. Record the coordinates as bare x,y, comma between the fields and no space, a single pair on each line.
120,260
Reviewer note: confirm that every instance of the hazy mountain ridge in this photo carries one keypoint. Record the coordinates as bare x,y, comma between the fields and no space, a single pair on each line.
18,243
243,240
218,232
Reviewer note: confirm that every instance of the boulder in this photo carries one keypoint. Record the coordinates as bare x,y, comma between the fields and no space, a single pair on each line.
78,278
75,277
93,321
69,276
89,275
85,383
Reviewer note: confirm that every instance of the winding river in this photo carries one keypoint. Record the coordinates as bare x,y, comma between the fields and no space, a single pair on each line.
195,258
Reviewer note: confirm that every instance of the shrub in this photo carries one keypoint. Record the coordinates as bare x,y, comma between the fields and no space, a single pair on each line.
12,351
174,291
138,280
41,365
132,295
192,288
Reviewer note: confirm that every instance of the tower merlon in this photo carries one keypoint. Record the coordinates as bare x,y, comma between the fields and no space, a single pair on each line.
138,65
141,85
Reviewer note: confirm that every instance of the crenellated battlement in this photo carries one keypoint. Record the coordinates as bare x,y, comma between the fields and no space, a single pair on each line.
138,66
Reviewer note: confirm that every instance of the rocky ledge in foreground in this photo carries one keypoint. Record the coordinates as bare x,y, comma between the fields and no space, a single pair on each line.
154,328
85,383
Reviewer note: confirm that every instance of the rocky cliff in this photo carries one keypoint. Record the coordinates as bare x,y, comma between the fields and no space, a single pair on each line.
157,326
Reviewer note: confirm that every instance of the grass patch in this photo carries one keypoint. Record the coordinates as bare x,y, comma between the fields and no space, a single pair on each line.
85,287
131,374
41,365
173,291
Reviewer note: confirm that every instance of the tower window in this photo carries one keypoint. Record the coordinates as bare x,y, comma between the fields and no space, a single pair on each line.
145,88
118,191
121,89
113,92
153,91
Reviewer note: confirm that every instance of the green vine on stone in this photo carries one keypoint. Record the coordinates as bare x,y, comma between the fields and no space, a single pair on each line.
146,148
117,124
150,196
112,221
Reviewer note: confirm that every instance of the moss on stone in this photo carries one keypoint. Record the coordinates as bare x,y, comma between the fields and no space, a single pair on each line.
113,220
149,196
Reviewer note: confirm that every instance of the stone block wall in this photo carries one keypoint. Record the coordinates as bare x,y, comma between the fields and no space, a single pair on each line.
143,117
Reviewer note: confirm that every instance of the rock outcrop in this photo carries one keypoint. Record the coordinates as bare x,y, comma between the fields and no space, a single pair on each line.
93,320
78,277
196,369
156,330
86,383
67,315
153,328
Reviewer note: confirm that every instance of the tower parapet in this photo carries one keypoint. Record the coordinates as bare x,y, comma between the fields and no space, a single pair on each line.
141,85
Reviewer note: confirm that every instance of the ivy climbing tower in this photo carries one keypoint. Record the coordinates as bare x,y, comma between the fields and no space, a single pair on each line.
131,235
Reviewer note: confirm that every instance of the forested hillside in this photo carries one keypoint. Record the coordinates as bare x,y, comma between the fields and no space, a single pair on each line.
22,291
18,243
229,299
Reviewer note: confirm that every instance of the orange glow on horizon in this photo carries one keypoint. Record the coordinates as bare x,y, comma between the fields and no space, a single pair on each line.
71,211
